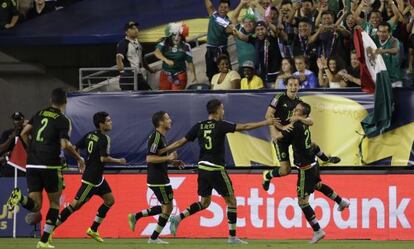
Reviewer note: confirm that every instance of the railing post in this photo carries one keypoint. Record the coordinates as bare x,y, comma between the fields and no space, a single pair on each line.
80,79
135,79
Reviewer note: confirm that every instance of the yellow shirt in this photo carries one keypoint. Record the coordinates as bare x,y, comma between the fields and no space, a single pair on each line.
255,83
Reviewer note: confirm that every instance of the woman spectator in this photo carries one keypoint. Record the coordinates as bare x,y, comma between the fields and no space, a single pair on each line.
174,52
286,70
226,79
329,75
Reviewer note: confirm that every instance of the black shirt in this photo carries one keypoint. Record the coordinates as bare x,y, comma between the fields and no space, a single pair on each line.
301,46
97,145
355,72
8,9
300,138
49,126
49,7
211,136
268,54
284,106
4,136
157,172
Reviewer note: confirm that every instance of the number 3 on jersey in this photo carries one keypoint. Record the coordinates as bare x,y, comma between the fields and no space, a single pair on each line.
39,137
207,140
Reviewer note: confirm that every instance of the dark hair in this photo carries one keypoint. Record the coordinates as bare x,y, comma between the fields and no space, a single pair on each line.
385,24
301,57
339,64
291,62
157,117
58,96
305,20
225,1
222,57
353,51
306,108
310,1
291,78
284,2
213,105
374,11
99,118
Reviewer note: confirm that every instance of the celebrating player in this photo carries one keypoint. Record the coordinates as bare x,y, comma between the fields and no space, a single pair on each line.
45,135
282,107
97,145
308,177
211,135
157,178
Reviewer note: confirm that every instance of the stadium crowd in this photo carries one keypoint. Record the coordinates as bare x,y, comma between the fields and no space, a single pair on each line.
309,39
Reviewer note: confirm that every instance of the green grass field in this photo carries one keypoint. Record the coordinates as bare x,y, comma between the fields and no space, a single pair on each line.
206,244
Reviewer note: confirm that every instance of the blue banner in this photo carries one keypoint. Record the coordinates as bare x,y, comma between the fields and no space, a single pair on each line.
337,116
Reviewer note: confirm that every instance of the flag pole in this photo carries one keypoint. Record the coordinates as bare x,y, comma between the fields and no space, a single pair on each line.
15,210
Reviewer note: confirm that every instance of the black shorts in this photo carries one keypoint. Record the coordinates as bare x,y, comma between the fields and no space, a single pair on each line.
86,191
307,180
282,151
164,194
216,179
50,180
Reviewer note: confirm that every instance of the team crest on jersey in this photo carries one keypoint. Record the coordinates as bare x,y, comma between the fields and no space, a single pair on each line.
4,5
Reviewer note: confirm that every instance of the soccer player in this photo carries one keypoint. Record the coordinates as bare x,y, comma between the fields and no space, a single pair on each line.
308,178
157,178
45,135
97,145
211,135
281,108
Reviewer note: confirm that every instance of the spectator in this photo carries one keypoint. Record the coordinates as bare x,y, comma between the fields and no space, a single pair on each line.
129,54
174,52
245,51
329,74
352,74
41,7
7,142
218,31
286,71
306,77
410,30
307,11
389,48
8,14
250,81
226,79
301,45
267,50
287,23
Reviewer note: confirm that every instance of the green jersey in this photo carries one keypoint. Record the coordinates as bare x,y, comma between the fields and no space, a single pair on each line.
180,54
392,62
245,51
216,34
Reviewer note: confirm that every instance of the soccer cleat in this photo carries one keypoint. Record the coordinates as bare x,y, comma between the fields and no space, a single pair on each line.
132,221
40,244
318,235
157,241
174,225
266,182
334,159
94,235
236,241
344,204
14,199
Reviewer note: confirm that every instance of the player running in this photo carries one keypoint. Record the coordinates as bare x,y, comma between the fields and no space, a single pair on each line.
308,178
212,174
47,132
97,144
281,107
157,178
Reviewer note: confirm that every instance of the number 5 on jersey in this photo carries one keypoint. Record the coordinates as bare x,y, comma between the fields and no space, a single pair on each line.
207,140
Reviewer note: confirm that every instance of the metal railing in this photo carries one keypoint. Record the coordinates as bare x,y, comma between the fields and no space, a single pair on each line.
91,78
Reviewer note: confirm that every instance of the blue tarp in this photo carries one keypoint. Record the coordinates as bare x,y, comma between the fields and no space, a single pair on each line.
99,21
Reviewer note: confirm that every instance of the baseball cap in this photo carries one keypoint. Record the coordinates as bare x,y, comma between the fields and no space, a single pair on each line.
261,24
248,64
130,24
17,116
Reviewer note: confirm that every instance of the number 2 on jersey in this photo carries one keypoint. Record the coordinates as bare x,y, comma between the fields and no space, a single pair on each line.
207,140
44,123
308,139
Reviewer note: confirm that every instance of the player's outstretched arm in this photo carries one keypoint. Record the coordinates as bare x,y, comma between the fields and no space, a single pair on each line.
108,159
307,121
177,144
251,126
161,159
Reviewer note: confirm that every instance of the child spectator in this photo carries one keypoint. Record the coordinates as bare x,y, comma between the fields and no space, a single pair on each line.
250,81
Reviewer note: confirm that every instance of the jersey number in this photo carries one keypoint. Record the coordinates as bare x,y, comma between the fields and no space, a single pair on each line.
308,142
39,137
90,147
207,140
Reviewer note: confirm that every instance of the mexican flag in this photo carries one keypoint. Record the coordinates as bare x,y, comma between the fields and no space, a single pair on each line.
374,79
18,155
